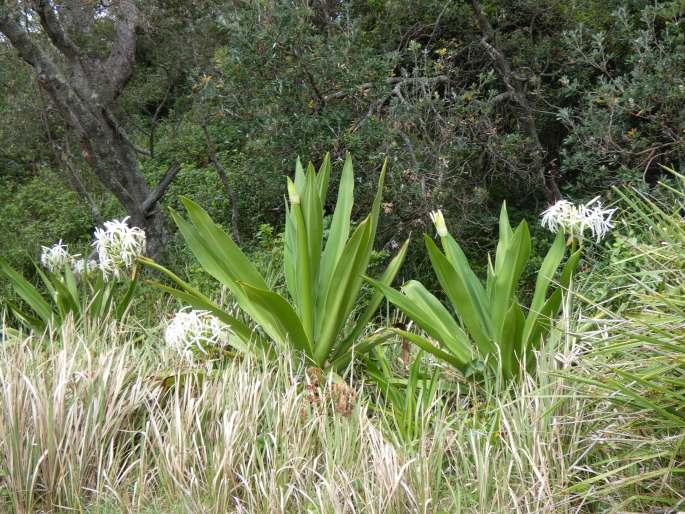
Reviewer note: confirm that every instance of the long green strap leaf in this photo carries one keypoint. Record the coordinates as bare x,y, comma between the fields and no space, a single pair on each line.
207,255
340,226
196,299
300,177
239,265
545,276
343,290
462,297
218,262
458,261
28,293
454,338
418,313
375,301
509,343
312,211
376,207
323,177
290,255
281,322
510,262
305,290
426,345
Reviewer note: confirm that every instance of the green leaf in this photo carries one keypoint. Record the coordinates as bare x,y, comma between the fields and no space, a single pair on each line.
340,226
469,281
509,343
123,304
280,321
220,246
511,259
323,177
426,345
32,322
376,207
305,290
194,298
425,317
453,337
464,300
28,293
290,254
545,276
343,291
64,301
312,211
375,301
300,177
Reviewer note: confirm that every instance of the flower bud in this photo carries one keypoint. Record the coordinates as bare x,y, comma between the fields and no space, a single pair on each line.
439,222
292,193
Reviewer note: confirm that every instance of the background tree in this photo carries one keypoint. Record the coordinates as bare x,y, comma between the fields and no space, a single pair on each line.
471,106
82,81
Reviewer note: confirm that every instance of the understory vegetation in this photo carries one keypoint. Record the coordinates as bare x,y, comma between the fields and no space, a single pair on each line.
107,415
471,300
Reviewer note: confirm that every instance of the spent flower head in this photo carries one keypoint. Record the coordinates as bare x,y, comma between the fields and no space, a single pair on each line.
194,330
575,220
55,257
118,245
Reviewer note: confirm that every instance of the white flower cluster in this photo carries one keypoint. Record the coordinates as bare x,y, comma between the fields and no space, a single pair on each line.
118,245
577,219
193,329
81,266
54,258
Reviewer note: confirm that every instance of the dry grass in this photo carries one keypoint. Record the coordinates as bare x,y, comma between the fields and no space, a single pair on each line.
93,419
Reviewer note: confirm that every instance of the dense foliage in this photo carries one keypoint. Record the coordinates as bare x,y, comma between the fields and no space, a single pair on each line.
410,81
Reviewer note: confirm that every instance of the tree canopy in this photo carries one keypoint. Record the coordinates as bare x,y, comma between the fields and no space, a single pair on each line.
116,106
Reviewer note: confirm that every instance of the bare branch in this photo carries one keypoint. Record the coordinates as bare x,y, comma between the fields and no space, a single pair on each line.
155,120
230,192
502,97
397,91
391,81
28,50
54,30
124,135
516,91
321,100
161,187
119,63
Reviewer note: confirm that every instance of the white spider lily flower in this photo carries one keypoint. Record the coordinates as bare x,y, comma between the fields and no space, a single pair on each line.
191,330
577,219
82,265
118,245
55,257
439,222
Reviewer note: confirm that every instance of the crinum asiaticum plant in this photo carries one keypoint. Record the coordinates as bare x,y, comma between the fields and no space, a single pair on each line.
323,281
77,285
491,326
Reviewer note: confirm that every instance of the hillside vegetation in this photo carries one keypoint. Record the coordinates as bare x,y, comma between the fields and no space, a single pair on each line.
470,300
